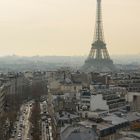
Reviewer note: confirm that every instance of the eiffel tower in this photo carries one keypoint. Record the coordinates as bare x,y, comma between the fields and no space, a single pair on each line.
98,59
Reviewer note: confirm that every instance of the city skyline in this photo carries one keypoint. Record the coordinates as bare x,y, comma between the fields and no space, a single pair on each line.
66,27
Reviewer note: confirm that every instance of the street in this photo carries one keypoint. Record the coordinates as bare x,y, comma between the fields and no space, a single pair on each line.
45,122
22,126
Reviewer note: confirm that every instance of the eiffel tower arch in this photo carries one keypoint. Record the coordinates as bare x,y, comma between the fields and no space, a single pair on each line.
98,59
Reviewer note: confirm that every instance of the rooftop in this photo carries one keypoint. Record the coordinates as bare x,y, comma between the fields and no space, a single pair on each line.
78,132
100,126
114,120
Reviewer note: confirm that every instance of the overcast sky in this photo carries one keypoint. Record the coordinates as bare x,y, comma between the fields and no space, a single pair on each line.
66,27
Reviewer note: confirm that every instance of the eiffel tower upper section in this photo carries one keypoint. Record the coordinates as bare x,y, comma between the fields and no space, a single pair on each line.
99,36
99,50
99,57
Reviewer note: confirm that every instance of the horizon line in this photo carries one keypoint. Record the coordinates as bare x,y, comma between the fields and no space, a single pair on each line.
16,55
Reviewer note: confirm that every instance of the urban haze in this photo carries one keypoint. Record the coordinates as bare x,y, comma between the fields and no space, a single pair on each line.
69,70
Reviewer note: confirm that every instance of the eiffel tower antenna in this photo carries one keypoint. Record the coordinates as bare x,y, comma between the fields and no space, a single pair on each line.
99,26
99,59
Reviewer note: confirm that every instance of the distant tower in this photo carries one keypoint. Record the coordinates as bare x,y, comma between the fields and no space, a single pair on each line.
98,59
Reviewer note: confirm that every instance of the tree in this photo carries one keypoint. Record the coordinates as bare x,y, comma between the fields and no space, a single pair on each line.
35,121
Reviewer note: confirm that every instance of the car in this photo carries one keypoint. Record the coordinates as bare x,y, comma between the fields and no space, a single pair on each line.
43,118
23,117
47,126
49,119
21,125
13,135
20,128
17,119
19,134
50,128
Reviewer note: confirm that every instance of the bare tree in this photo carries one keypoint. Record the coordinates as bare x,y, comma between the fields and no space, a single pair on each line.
35,120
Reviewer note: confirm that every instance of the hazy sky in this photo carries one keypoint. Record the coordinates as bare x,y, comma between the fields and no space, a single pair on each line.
66,27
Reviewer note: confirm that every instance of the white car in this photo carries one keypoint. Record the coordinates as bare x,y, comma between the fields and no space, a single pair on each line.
49,119
19,134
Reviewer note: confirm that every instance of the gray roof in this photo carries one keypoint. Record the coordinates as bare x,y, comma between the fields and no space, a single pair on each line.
127,138
78,133
100,126
115,120
66,117
82,136
133,116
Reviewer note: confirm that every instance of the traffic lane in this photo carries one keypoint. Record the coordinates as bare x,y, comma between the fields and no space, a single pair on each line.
27,123
25,109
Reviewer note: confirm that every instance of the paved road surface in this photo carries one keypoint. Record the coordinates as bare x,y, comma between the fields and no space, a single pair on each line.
23,125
